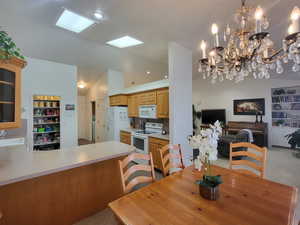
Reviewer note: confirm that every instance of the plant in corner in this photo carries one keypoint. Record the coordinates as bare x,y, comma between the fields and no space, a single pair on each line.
8,47
207,143
294,141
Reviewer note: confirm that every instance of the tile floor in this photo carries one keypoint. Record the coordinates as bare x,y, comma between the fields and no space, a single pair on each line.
282,167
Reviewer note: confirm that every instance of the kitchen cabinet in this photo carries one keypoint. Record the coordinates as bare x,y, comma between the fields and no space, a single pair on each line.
133,107
10,93
162,103
118,100
147,98
154,97
154,145
125,137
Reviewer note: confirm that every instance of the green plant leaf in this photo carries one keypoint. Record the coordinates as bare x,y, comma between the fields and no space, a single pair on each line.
8,46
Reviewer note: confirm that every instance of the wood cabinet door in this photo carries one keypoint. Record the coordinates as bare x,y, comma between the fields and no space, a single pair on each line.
133,106
10,97
147,98
112,101
136,105
125,137
163,103
130,106
118,100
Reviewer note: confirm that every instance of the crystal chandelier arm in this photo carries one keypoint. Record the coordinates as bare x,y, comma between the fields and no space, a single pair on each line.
255,50
274,57
277,55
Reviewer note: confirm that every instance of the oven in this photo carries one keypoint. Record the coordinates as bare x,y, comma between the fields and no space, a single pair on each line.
140,142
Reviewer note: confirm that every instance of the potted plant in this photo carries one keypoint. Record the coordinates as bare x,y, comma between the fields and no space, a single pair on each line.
8,47
207,143
294,140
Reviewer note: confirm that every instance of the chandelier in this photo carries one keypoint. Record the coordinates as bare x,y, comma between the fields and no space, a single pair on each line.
249,49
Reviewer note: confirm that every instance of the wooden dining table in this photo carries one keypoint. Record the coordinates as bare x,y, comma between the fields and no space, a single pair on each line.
175,200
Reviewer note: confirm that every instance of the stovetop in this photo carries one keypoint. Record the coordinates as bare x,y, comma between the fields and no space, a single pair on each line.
144,132
150,128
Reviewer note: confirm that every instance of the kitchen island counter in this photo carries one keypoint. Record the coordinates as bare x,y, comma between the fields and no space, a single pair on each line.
60,186
21,165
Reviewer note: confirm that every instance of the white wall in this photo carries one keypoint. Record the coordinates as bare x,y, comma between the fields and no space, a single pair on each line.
115,81
82,105
98,93
180,71
42,77
221,96
135,67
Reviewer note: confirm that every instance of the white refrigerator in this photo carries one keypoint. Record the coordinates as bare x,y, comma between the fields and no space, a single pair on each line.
117,120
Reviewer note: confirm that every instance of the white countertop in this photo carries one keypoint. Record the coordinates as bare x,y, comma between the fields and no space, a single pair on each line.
160,136
21,165
11,140
130,130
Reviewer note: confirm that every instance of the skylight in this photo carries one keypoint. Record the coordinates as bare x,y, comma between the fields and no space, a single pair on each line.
73,22
124,42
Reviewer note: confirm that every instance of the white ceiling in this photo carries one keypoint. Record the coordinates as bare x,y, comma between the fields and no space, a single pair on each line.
155,22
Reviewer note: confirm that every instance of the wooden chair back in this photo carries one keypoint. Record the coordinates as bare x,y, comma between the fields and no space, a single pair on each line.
260,158
171,158
127,171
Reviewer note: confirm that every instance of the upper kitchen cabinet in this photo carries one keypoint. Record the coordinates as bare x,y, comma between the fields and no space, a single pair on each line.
163,103
147,98
10,93
118,100
133,106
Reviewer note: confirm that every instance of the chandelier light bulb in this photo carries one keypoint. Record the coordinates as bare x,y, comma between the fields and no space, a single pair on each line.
214,29
203,45
258,13
203,48
291,29
295,15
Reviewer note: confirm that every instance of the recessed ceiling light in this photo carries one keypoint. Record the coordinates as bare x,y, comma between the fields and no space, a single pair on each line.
73,22
81,85
124,42
98,15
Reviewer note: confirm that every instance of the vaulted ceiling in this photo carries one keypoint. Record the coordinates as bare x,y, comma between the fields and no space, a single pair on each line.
155,22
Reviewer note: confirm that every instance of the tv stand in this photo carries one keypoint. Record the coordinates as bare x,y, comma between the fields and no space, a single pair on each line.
204,126
259,130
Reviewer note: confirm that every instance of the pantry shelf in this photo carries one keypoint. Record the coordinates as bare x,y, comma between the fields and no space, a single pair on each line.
46,122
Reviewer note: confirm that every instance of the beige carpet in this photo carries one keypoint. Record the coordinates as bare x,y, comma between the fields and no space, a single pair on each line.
282,167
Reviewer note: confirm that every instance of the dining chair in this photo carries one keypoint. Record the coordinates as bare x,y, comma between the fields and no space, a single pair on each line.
127,170
254,161
171,158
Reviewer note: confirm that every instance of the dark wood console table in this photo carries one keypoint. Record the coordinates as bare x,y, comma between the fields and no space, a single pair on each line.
259,130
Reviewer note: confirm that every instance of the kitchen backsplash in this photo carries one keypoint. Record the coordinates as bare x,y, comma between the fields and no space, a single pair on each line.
137,123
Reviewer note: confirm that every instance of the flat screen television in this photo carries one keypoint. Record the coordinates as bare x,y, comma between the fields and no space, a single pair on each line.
210,116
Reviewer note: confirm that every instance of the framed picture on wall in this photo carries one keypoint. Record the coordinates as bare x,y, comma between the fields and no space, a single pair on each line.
249,106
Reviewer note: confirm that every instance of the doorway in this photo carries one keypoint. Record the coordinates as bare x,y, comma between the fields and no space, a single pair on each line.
93,105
